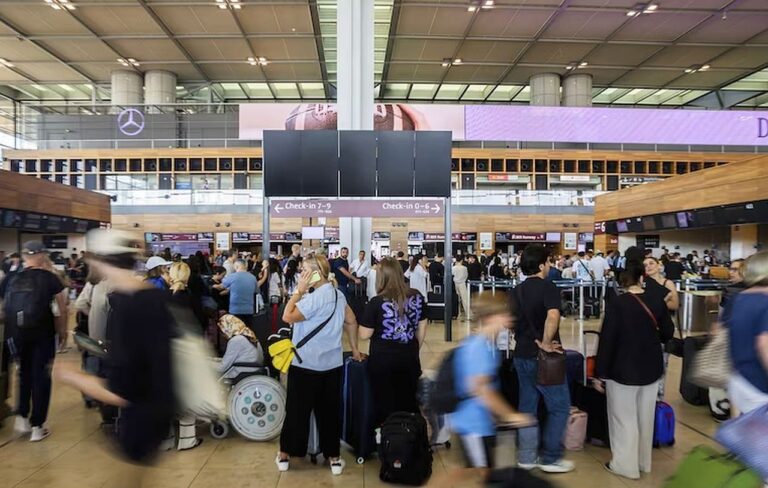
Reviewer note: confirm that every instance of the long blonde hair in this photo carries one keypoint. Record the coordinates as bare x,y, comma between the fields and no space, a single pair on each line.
179,274
320,263
390,282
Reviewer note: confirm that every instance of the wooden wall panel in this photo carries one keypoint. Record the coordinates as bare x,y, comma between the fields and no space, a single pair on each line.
20,192
740,182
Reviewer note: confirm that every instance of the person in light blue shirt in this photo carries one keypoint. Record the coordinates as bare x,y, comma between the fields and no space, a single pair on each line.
242,287
315,375
581,268
476,371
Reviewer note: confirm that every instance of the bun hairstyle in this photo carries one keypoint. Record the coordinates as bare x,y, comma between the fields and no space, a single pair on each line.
634,268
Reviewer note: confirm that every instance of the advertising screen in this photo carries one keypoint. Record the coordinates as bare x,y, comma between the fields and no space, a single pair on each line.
668,221
621,226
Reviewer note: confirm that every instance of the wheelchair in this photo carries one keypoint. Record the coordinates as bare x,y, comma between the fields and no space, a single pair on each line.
255,405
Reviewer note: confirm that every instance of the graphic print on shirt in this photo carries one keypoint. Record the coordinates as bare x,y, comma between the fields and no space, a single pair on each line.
401,328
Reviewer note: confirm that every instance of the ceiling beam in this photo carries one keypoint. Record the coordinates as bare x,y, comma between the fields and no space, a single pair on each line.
675,41
175,41
8,25
236,19
561,8
393,24
315,14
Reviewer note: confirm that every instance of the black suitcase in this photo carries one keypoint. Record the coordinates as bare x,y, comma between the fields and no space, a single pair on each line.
357,298
405,452
510,384
436,304
695,395
357,429
591,401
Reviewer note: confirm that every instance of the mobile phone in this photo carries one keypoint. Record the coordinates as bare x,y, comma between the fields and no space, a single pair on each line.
314,278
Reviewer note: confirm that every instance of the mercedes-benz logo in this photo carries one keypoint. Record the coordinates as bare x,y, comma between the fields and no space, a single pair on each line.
130,122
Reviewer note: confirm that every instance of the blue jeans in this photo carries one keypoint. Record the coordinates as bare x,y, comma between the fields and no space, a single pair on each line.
557,399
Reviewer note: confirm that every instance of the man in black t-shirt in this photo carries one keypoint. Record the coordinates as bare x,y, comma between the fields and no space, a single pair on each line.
340,269
403,262
31,330
436,271
673,270
536,305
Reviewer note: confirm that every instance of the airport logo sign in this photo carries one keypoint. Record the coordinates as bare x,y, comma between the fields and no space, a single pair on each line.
130,122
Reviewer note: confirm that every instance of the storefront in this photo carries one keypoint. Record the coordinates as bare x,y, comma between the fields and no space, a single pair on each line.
430,243
186,244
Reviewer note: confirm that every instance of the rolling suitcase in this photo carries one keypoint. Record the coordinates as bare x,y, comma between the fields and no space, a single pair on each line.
436,304
357,429
357,298
574,364
691,393
594,403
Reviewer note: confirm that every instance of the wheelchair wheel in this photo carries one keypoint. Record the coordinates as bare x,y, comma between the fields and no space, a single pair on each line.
219,430
257,408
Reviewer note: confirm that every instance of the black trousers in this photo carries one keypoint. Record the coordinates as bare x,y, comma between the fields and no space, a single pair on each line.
394,382
308,391
35,361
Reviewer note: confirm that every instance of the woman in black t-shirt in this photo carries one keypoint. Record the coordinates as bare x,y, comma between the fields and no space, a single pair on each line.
657,284
395,321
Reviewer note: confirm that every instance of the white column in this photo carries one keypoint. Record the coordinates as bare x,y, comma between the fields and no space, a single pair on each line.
127,88
354,105
159,87
545,89
577,90
744,238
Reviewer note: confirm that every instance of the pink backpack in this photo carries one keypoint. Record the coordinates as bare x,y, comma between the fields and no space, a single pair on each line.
576,430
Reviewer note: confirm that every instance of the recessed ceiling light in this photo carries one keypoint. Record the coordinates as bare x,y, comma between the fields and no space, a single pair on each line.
583,64
489,3
224,4
569,67
632,13
689,70
704,68
651,7
471,8
6,63
457,61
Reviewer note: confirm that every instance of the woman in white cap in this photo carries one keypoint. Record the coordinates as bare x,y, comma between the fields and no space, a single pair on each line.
139,333
157,272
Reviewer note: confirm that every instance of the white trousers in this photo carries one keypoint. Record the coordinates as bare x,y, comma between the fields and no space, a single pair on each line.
744,396
463,293
631,412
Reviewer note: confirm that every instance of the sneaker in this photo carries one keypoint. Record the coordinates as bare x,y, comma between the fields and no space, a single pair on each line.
21,426
561,466
337,467
39,433
282,464
528,466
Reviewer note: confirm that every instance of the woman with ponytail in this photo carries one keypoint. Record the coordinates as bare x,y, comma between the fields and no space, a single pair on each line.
395,322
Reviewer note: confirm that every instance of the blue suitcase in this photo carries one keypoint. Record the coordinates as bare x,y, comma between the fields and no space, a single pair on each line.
664,425
357,428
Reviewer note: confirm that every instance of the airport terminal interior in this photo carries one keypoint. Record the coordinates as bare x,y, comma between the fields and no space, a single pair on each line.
249,136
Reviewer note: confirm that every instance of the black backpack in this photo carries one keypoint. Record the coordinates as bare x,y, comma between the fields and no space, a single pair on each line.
443,398
404,451
27,304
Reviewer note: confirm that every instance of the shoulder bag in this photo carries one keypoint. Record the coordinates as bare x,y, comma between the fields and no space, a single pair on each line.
281,347
711,367
550,368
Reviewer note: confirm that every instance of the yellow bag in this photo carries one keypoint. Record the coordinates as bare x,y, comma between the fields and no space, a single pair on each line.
281,347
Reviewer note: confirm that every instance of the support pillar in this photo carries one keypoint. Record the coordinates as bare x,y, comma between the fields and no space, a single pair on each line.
355,96
127,88
577,90
545,89
159,88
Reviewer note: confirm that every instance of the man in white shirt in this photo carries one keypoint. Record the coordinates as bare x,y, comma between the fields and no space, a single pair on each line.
460,276
599,266
229,263
581,267
361,266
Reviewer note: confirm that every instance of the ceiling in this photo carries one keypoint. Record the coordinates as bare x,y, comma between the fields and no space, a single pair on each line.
67,54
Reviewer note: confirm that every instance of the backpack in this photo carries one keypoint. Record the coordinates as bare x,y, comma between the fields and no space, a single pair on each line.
27,304
404,452
443,397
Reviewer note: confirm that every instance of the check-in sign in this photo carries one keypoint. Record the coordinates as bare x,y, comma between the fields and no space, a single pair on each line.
357,208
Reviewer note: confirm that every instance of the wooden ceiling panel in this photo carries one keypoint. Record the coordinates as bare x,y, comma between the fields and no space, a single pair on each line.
649,78
117,20
49,72
620,54
742,57
706,79
474,74
423,50
15,50
148,49
684,56
661,26
257,19
220,49
38,18
510,23
580,24
199,19
234,71
490,51
81,50
556,53
736,28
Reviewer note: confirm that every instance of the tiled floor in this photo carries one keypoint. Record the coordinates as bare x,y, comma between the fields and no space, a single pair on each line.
77,454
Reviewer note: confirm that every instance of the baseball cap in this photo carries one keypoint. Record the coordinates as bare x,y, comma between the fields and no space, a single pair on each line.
33,247
156,261
108,242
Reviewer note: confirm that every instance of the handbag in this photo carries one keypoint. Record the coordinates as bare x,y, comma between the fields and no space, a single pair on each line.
711,367
281,347
747,438
551,368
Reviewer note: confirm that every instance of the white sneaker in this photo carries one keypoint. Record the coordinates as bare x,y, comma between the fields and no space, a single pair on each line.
338,467
561,466
39,433
528,466
21,426
282,464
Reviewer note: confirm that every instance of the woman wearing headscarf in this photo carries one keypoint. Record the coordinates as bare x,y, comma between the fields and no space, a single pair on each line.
242,347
